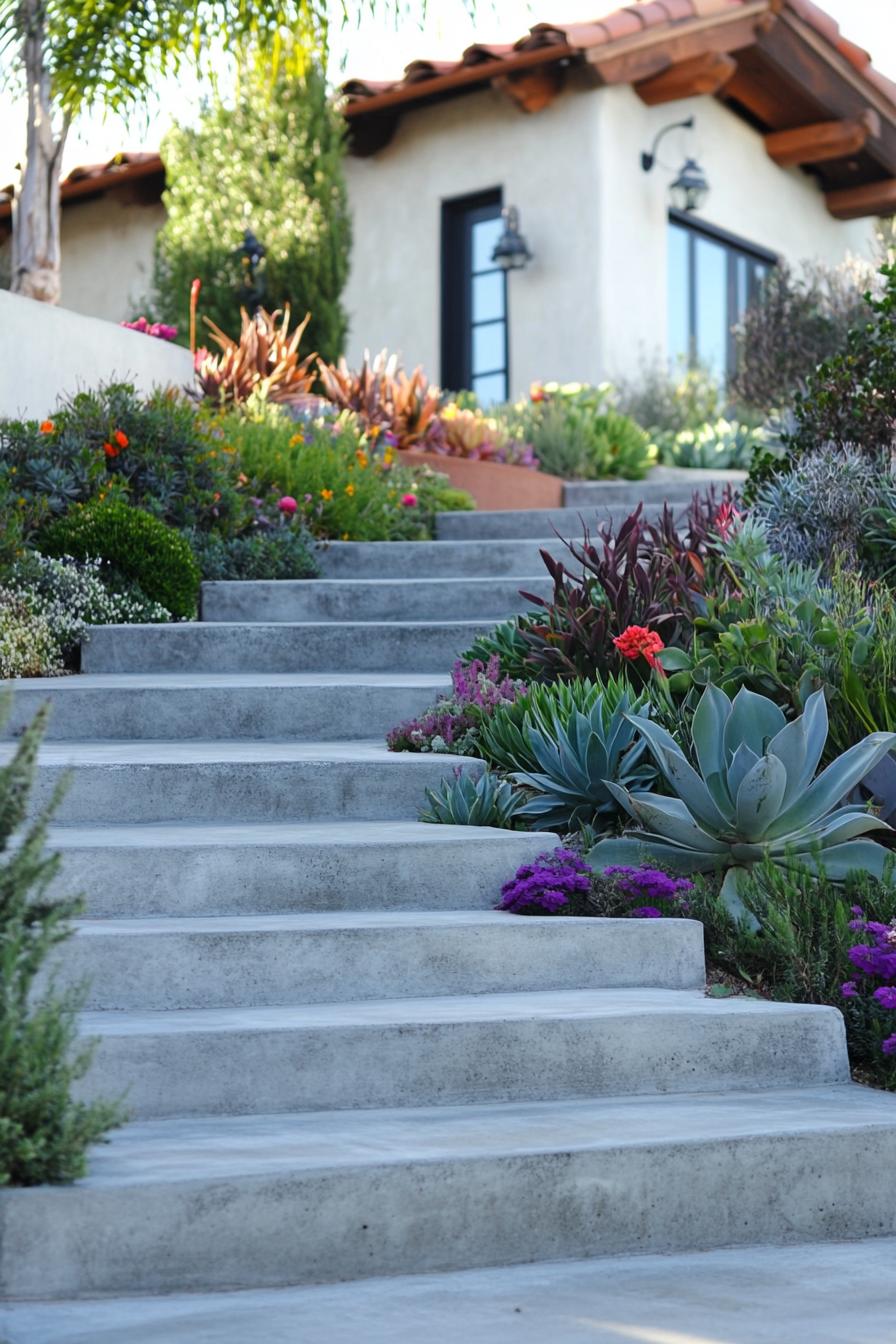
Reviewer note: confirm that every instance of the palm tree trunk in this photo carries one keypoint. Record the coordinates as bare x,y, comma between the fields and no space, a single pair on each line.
36,244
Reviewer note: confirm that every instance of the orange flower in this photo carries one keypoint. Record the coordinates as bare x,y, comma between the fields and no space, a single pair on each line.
121,438
47,427
349,489
639,642
110,450
374,431
363,459
296,440
326,494
536,392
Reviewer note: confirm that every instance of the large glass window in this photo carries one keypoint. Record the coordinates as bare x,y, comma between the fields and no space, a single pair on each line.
712,281
474,298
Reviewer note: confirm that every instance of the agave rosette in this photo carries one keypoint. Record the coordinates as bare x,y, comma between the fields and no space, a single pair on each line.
755,796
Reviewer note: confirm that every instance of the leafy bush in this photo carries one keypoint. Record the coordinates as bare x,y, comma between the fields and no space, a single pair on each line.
753,795
138,548
269,553
277,152
44,1134
799,320
263,362
719,444
455,721
507,641
28,647
666,403
72,594
153,451
574,425
486,800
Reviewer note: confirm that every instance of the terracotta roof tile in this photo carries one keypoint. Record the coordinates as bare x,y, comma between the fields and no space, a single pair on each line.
622,23
96,177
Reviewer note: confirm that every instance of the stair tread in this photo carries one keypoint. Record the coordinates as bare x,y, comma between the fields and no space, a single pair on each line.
113,681
99,752
360,834
446,581
339,920
154,1152
542,1005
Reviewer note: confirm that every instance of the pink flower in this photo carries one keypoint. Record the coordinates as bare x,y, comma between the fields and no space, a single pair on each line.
287,505
409,501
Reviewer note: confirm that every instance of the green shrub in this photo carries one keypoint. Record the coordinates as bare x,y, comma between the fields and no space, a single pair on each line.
274,553
576,431
139,549
272,161
508,642
156,452
484,801
28,647
44,1134
666,403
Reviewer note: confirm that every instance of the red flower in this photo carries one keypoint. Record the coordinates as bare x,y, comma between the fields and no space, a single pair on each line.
110,450
194,289
121,438
536,392
726,517
47,427
639,642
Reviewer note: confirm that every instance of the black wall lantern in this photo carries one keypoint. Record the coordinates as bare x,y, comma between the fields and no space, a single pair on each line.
511,251
252,254
690,189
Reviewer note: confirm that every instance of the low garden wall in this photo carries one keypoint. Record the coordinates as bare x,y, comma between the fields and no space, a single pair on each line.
46,352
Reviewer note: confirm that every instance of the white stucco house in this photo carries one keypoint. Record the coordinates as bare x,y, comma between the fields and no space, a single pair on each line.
793,135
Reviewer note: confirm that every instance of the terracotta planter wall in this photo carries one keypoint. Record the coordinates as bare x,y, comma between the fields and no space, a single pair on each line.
493,485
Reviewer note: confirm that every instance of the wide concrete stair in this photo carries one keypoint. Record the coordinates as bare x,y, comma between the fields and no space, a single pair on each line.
340,1061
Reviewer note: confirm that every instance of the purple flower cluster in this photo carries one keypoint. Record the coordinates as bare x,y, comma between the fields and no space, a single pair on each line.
650,885
546,885
875,960
451,724
162,330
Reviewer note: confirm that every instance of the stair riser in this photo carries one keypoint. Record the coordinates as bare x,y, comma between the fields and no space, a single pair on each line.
218,713
194,647
546,522
380,1219
436,559
453,874
232,970
389,600
247,791
260,1071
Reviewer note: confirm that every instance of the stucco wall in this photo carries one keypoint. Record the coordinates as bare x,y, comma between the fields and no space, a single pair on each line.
47,352
547,166
593,302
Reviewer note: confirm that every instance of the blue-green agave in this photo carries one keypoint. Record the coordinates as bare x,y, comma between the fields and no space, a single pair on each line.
465,800
754,797
577,751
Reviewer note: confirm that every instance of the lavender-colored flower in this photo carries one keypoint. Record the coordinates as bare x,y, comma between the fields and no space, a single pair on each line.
886,996
477,690
649,883
889,1045
547,884
647,912
849,990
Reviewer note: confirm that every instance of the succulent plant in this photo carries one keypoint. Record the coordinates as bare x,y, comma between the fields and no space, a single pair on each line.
753,797
486,800
577,751
723,444
504,738
264,360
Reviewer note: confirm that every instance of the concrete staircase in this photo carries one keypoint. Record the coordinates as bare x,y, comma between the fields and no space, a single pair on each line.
341,1062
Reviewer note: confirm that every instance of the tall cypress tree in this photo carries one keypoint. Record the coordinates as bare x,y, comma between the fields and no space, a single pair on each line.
269,160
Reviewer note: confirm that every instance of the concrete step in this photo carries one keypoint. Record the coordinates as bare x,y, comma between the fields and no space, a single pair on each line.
192,1205
520,523
435,559
406,599
457,1049
264,960
358,646
834,1293
238,781
280,868
207,705
663,482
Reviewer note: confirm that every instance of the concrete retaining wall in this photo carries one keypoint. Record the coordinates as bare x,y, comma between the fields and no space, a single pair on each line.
47,352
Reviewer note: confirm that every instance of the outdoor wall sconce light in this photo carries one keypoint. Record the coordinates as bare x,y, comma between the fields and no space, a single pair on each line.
690,188
511,251
252,254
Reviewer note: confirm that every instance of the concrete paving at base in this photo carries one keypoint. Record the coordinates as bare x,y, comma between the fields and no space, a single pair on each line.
269,868
836,1293
405,599
451,1049
243,781
196,706
261,960
283,1200
350,646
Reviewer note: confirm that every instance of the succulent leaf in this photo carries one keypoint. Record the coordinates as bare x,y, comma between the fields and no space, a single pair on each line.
754,720
759,797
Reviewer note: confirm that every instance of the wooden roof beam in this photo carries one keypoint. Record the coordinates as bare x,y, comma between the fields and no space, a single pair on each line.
533,90
822,141
705,74
873,199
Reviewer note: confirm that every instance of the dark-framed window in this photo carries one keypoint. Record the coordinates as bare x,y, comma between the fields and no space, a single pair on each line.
713,278
474,298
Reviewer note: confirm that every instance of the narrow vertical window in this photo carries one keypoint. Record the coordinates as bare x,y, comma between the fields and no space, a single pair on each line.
474,299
